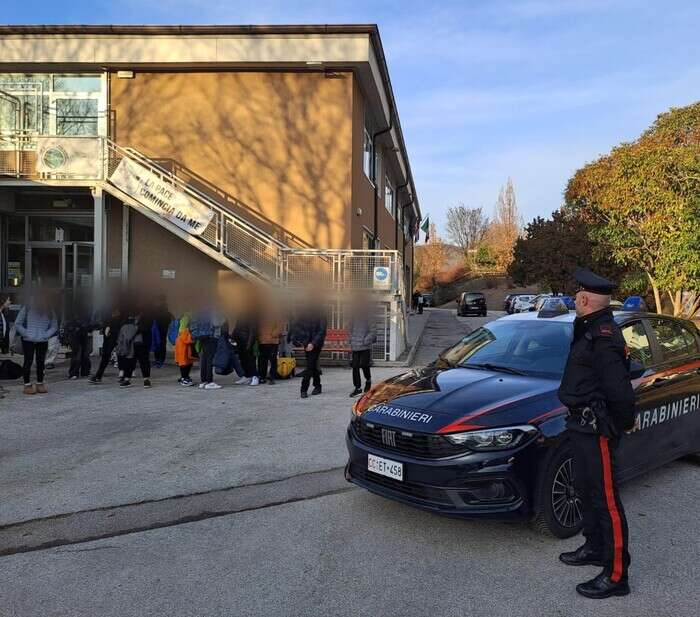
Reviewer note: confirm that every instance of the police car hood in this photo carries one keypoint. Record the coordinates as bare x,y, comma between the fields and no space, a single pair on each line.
436,400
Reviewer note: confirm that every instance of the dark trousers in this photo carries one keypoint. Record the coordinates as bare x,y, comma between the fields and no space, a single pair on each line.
604,522
311,371
108,346
185,371
79,354
247,358
141,355
159,353
267,357
206,357
361,360
30,351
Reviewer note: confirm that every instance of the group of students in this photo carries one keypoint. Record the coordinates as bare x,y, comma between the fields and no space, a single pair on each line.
248,345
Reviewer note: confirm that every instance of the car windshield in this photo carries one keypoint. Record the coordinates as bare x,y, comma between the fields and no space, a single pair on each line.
538,347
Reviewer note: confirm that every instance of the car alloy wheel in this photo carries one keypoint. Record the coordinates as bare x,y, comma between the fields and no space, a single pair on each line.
566,506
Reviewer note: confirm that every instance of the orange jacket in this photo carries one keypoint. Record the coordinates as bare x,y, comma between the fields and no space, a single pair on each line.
184,344
269,332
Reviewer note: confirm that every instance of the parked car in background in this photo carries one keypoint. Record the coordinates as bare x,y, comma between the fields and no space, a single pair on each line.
537,302
428,298
521,303
509,302
569,302
471,303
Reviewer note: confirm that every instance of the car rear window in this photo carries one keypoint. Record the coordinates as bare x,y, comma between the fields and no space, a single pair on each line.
537,348
473,296
637,342
675,340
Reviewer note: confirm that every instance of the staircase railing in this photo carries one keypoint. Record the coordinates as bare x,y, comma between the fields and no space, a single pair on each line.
233,237
252,249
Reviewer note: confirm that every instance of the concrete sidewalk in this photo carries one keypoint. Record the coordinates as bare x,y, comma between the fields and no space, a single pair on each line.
82,447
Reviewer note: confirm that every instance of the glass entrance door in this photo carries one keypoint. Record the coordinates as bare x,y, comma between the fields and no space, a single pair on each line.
65,269
46,266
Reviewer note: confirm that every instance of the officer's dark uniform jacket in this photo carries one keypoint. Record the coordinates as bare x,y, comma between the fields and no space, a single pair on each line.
597,371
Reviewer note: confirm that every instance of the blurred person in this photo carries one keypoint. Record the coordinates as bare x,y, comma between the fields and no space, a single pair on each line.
206,327
184,351
126,354
4,323
77,331
36,323
362,333
269,333
244,336
142,342
414,300
4,329
110,332
163,317
308,330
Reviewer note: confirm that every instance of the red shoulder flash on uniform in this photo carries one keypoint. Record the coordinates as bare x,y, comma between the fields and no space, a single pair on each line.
627,352
605,330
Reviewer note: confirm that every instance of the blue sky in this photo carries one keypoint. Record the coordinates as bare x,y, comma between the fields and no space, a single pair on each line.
530,89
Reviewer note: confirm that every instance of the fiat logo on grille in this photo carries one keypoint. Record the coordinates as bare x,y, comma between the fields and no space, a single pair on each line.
389,437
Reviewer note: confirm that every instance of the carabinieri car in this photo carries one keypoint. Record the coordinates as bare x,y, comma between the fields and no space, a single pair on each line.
481,433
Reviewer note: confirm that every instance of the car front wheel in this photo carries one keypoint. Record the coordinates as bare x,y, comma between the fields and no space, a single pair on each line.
557,508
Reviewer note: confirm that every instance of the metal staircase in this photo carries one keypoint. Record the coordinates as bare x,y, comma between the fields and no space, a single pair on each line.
230,240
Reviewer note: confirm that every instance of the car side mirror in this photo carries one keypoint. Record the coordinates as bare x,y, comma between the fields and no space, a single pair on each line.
637,369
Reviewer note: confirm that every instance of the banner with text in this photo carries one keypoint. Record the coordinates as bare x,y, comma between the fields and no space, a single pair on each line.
161,197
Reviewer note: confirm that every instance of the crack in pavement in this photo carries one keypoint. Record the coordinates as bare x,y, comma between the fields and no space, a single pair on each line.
111,521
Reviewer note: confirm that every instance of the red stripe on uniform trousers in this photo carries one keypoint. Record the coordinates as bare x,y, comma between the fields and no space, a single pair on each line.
612,509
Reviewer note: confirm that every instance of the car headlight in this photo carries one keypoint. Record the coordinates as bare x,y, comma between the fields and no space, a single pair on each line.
493,438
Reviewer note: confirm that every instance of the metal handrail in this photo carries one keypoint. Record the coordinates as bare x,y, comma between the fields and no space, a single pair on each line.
152,166
235,238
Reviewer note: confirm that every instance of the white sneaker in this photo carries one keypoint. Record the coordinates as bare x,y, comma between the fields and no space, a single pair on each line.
254,381
202,385
212,386
243,381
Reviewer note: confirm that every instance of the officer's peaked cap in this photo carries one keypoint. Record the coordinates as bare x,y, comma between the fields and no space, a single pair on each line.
590,281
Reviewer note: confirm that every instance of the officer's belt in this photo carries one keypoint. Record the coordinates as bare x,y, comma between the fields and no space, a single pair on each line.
583,415
578,412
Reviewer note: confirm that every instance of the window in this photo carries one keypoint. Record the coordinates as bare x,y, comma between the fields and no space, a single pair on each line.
53,104
537,349
388,196
637,341
76,83
368,156
76,116
676,341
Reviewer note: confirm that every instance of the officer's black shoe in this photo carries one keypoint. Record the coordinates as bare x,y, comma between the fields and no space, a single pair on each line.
316,391
602,587
304,394
582,556
355,392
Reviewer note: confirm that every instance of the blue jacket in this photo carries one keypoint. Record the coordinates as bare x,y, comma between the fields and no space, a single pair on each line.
35,327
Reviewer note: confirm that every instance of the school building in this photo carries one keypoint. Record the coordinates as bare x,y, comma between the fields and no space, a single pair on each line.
180,156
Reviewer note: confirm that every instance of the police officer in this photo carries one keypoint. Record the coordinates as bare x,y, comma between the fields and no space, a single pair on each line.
597,390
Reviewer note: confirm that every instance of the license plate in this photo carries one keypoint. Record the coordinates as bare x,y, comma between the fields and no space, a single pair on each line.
385,467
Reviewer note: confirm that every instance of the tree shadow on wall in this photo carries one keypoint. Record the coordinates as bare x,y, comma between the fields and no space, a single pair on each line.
280,142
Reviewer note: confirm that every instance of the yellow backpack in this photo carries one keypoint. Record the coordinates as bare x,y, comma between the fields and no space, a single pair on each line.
285,367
